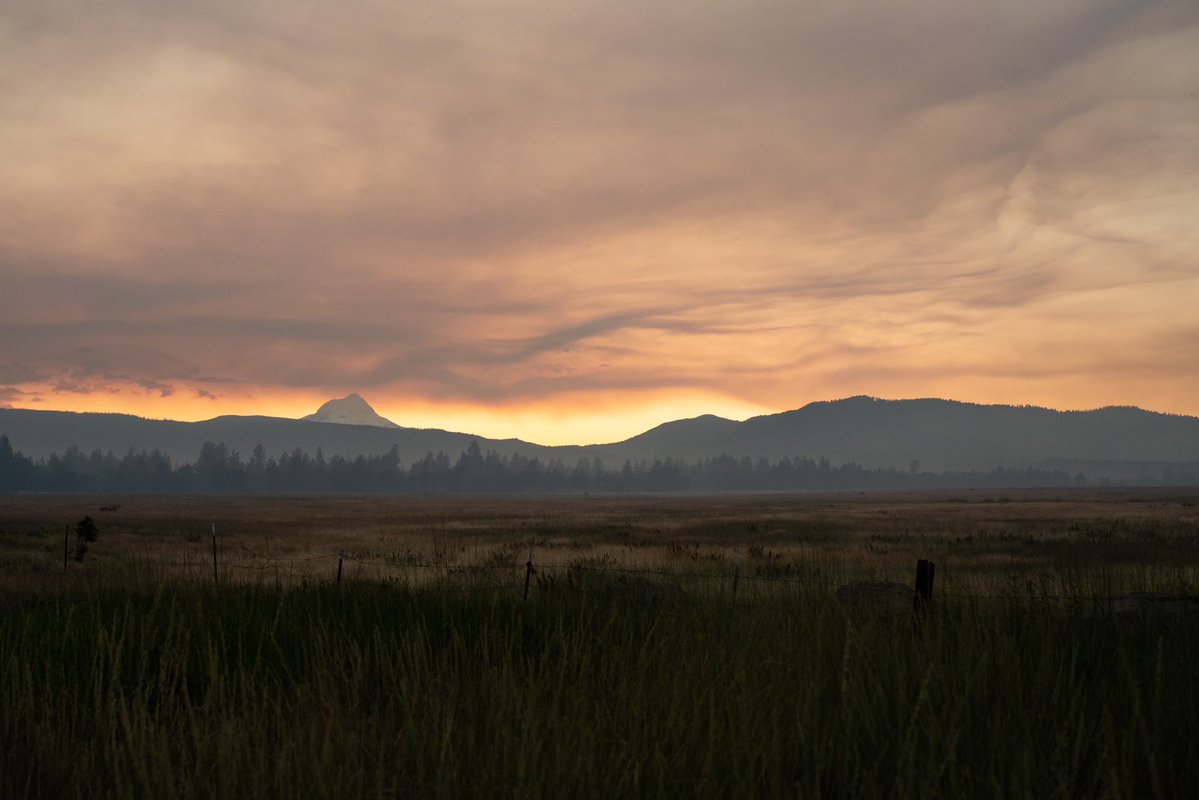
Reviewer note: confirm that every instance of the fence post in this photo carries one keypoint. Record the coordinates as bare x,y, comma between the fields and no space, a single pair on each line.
340,555
925,570
529,570
214,575
736,573
66,537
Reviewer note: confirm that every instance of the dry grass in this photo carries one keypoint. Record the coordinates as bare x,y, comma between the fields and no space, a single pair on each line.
125,681
983,541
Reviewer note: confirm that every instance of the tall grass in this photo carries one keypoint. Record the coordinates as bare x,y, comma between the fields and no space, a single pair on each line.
369,691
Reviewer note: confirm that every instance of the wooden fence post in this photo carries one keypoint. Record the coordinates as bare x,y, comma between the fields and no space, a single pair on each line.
66,537
340,555
736,573
529,570
925,570
214,575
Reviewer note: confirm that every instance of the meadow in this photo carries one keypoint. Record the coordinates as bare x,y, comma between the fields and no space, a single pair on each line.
631,669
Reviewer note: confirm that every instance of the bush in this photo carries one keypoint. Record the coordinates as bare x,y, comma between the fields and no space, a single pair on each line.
86,531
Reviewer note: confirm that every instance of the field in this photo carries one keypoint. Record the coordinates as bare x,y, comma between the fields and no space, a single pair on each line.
668,646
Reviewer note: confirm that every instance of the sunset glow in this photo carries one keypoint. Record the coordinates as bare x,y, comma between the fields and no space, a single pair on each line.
571,222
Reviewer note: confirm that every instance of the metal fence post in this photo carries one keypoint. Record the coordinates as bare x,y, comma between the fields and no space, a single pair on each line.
529,570
736,573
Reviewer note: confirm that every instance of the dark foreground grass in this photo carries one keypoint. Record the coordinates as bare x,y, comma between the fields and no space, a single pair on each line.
375,691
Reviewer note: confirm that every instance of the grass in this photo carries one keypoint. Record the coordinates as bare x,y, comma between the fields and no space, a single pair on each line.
375,691
425,674
1140,539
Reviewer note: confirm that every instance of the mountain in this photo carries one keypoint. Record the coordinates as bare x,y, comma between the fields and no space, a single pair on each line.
936,434
350,410
682,438
40,433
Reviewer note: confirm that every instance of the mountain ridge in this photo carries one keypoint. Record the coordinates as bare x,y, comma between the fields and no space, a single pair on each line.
932,433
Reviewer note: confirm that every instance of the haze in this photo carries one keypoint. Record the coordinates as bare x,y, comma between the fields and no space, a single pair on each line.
568,222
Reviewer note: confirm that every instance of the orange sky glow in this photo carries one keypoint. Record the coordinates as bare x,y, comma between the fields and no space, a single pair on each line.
570,223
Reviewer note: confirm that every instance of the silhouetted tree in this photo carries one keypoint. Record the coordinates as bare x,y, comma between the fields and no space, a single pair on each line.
16,470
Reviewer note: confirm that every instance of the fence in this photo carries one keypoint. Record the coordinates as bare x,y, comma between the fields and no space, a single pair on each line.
535,577
730,578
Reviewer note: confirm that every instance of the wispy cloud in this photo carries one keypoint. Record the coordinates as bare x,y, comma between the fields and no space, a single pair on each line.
772,201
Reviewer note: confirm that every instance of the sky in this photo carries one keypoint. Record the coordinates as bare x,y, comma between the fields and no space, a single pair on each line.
571,221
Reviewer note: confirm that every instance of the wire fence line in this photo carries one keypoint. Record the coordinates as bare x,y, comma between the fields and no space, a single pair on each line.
552,574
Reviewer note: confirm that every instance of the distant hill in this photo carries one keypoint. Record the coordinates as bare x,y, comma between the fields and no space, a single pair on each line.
350,410
40,433
939,434
936,434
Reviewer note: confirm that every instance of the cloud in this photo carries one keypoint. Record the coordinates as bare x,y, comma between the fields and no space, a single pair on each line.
65,386
16,372
493,204
9,395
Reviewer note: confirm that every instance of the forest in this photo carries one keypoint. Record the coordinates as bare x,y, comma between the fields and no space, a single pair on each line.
220,469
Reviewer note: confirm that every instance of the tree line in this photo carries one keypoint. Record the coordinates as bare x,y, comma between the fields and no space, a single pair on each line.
220,469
